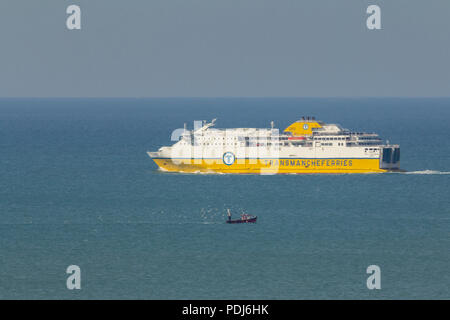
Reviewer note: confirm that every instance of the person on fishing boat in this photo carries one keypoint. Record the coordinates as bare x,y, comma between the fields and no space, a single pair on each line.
229,214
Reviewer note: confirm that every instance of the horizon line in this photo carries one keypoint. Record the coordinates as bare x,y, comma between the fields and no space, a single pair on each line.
230,97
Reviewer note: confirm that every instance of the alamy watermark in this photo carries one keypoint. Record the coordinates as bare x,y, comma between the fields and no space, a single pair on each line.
73,21
374,280
74,280
225,147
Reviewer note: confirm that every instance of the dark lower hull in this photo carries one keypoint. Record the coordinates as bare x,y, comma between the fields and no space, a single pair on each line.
250,220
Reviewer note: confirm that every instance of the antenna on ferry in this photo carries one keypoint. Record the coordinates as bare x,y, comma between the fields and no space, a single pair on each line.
185,126
271,124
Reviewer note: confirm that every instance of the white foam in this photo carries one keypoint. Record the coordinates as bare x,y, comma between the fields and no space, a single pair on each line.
427,172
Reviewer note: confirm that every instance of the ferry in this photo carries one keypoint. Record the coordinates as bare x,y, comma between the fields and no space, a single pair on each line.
305,146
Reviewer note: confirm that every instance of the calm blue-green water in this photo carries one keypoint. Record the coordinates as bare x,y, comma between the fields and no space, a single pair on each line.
76,187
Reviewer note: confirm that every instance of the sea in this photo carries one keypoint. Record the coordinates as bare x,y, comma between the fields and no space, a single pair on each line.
77,188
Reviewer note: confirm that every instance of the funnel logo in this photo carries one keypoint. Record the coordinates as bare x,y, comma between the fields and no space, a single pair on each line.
228,158
305,126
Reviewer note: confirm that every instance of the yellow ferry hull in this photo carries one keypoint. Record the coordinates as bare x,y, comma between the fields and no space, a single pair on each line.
271,166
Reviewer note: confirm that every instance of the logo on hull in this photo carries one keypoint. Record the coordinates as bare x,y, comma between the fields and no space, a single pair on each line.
228,158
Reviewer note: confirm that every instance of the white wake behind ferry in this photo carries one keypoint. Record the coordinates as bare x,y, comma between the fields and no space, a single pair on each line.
306,146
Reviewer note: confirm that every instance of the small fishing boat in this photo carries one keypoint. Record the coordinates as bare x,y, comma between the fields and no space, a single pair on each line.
245,218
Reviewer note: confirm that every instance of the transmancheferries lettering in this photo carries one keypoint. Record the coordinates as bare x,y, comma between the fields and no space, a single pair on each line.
306,146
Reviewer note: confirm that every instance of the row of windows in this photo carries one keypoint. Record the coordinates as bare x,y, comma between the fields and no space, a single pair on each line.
286,144
367,143
213,138
210,144
331,138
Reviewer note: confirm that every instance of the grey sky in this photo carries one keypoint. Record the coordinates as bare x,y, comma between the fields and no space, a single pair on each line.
208,48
